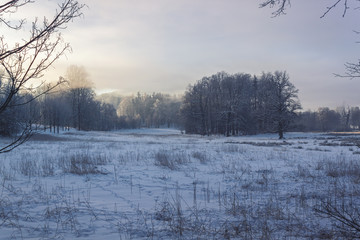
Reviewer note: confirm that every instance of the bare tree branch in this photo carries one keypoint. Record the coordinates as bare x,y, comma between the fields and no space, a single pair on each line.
20,139
30,58
69,10
49,89
349,219
334,5
11,7
282,5
352,70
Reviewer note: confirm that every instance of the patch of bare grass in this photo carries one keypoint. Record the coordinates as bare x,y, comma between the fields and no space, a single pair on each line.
266,144
201,156
130,157
342,168
233,148
171,160
82,163
46,137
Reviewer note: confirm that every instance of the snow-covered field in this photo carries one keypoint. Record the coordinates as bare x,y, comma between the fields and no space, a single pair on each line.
161,184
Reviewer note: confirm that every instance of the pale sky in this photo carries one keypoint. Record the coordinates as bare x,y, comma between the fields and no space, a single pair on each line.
165,45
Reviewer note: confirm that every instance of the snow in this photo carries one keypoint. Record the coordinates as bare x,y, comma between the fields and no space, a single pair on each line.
162,184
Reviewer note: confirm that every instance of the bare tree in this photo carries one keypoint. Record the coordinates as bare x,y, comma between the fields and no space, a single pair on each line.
81,95
29,58
352,70
283,101
240,104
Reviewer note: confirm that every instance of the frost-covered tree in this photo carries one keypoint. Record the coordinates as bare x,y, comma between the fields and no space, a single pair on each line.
55,111
28,57
82,96
149,110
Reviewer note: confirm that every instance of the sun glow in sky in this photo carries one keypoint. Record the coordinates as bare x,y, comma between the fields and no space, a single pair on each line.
165,45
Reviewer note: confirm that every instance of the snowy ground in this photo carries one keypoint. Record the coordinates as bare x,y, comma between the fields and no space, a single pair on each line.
161,184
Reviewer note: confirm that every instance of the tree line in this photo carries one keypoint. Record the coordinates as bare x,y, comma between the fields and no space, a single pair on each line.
149,110
327,120
70,105
74,104
233,104
226,104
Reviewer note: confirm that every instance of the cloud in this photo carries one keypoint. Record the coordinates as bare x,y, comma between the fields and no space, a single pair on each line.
164,45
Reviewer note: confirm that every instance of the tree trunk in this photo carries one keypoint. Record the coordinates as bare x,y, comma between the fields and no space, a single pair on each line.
281,131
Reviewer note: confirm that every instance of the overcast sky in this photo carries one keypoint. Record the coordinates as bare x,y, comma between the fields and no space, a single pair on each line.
165,45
